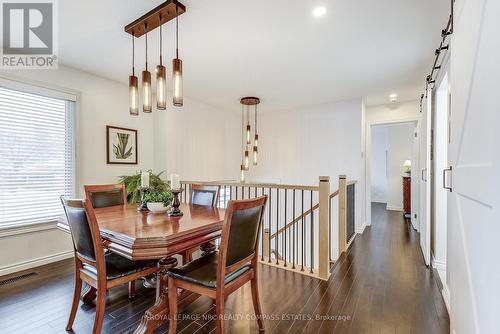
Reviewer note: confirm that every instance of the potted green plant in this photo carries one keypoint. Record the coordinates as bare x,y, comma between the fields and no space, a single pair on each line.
133,185
158,201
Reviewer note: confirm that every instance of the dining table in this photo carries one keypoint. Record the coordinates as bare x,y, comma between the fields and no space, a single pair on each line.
139,235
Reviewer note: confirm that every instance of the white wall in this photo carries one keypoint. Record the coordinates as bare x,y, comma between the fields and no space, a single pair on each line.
391,146
379,164
297,146
191,141
399,147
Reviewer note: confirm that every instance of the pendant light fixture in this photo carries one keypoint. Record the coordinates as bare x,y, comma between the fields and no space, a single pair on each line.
177,69
255,141
146,82
133,89
242,166
161,78
246,141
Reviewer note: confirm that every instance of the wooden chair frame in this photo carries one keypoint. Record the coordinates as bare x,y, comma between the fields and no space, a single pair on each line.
89,189
222,290
205,188
187,256
98,281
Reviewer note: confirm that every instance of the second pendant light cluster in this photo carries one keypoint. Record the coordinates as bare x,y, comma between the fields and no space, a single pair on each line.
161,77
246,138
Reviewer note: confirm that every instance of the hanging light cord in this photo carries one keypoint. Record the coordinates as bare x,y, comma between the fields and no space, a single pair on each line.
242,132
146,26
176,33
133,54
161,43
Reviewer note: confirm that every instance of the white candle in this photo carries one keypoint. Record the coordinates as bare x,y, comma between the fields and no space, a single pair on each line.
145,180
175,182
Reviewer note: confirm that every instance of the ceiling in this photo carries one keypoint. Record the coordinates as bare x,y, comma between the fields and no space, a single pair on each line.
276,50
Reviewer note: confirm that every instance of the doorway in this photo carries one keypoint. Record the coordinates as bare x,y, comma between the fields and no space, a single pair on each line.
393,168
439,163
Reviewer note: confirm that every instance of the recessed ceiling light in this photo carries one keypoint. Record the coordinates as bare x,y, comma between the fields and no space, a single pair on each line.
319,11
393,97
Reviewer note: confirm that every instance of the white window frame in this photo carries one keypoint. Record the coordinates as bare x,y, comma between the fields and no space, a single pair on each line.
37,88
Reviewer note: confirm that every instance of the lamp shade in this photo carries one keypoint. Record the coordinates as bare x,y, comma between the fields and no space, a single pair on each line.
133,91
146,92
161,87
177,86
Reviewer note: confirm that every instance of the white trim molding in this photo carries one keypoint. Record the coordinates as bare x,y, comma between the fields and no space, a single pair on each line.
394,208
8,231
361,229
445,292
32,263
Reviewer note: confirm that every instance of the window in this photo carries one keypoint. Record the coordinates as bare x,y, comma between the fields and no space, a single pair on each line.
36,154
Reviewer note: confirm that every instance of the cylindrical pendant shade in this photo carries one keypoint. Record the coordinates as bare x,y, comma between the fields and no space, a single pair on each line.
248,134
247,160
147,100
256,140
255,154
242,173
177,82
133,91
161,87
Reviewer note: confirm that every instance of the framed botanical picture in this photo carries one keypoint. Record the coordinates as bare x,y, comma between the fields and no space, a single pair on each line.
121,145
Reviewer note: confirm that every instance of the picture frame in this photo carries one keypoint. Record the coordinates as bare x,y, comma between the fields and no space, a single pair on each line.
121,146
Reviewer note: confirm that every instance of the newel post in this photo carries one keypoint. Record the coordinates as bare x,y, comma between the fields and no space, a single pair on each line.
324,230
342,213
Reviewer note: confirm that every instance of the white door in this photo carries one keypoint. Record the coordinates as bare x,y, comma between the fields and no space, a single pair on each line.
474,155
425,179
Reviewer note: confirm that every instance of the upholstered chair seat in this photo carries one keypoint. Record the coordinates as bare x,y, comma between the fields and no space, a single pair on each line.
203,271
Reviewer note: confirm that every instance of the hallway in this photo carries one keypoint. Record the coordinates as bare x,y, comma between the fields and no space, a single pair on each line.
392,290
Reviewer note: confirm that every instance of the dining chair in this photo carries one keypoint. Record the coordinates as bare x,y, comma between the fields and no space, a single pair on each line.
204,194
93,266
207,195
218,274
104,195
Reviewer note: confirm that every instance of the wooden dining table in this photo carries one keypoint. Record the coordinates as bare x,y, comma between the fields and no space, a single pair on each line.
148,236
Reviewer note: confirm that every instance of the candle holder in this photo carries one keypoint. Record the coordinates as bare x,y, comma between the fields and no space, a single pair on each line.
176,212
143,206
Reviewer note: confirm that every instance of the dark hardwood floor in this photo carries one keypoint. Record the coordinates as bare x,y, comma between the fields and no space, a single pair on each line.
380,286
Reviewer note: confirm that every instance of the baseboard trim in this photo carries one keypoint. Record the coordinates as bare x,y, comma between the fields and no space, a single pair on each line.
361,229
40,261
446,296
394,208
439,265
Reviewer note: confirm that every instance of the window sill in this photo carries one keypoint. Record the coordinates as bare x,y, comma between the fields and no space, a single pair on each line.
7,231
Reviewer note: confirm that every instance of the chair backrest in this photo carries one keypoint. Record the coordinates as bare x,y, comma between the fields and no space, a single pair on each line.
240,232
84,230
104,195
204,194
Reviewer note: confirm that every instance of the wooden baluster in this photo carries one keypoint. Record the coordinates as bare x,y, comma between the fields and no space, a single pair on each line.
277,224
283,242
269,225
236,192
303,247
311,221
324,227
342,214
294,240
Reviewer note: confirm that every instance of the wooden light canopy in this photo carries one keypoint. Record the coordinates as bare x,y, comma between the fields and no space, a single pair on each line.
167,11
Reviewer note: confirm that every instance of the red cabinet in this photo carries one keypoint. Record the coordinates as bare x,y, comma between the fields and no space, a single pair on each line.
407,196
